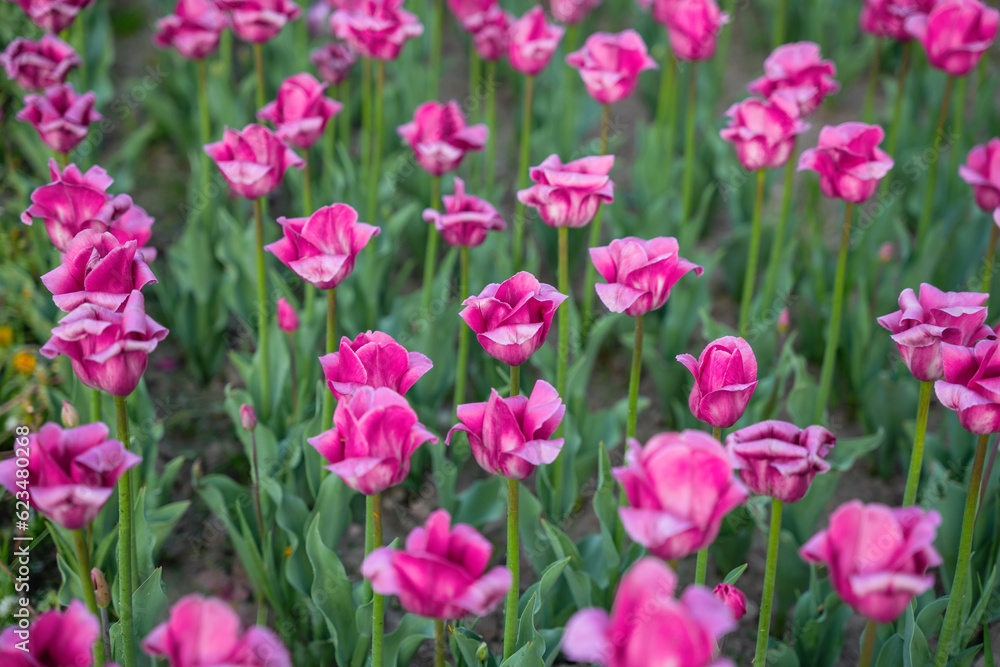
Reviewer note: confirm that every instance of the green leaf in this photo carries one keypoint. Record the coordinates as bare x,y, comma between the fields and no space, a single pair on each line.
482,502
148,603
735,574
527,656
331,593
892,653
469,646
401,644
526,633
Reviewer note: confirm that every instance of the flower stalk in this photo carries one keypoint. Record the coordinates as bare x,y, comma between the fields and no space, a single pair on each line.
125,540
767,597
83,571
750,277
833,334
917,455
262,310
430,256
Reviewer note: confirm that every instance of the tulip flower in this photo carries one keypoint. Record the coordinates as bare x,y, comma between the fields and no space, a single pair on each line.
39,65
778,459
53,15
259,21
648,625
193,29
532,42
248,417
887,18
610,64
57,638
466,219
568,195
955,33
693,27
60,116
288,319
373,359
440,138
733,598
333,61
376,28
572,11
725,376
301,111
982,172
490,33
800,72
252,160
848,160
463,9
763,131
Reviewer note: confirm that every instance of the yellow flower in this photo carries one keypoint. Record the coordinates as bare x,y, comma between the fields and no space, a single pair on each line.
24,363
6,336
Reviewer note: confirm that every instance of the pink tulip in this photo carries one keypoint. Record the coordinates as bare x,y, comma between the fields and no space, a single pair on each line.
661,10
97,268
463,9
693,27
288,319
982,172
725,376
376,28
609,64
511,319
922,323
373,359
800,72
679,488
193,29
568,195
490,32
442,571
885,252
531,42
572,11
72,472
301,111
887,18
511,436
333,61
955,34
440,138
466,220
252,160
848,160
60,116
779,459
41,64
204,632
374,434
640,273
971,376
109,350
322,248
53,15
259,21
248,417
763,131
733,598
877,557
649,626
55,639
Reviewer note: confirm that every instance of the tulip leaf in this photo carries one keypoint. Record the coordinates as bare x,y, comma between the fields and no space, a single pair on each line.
526,656
400,645
975,618
331,592
892,652
931,617
471,646
482,502
735,574
526,632
148,603
780,655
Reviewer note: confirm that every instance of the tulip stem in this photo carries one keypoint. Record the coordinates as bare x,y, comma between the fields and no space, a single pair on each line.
868,109
666,103
463,330
376,157
925,217
430,256
83,570
475,100
569,44
833,335
917,455
438,23
258,61
687,190
331,346
751,273
563,362
95,405
515,380
491,123
378,601
513,557
366,118
439,643
344,96
307,195
957,594
206,125
63,159
125,540
522,172
897,105
255,471
595,239
633,380
771,277
294,374
991,251
868,648
780,17
767,598
262,333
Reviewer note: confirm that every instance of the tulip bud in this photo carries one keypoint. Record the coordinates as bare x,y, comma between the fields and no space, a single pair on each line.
784,320
70,417
885,252
101,590
248,417
288,319
733,598
483,652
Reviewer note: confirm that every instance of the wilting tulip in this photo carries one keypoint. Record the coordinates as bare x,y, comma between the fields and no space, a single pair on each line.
248,417
679,488
693,27
490,32
288,319
301,111
531,42
39,65
799,70
568,195
109,350
60,116
649,626
733,598
571,11
512,318
440,138
333,61
778,459
441,573
887,18
322,248
193,29
878,557
725,376
922,323
53,15
969,386
640,273
374,435
259,21
55,639
373,359
72,472
848,160
511,436
376,28
982,172
206,631
252,160
763,131
955,34
463,9
466,219
609,64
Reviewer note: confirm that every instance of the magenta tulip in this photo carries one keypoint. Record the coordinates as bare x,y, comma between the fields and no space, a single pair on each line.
922,323
490,32
982,172
799,70
778,459
374,435
511,436
288,319
441,573
322,248
848,160
248,417
301,111
649,626
333,61
440,138
55,639
694,26
763,131
661,10
568,195
679,488
60,116
193,29
725,376
531,42
878,557
463,9
466,219
969,387
109,350
252,160
609,64
204,632
640,273
512,318
53,15
572,11
376,28
733,598
373,359
259,21
887,18
955,34
39,65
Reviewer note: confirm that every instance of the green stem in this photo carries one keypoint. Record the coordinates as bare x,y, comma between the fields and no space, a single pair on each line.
956,150
666,108
988,263
701,562
513,564
570,42
587,312
722,49
344,96
307,195
917,455
491,123
378,601
687,190
63,159
953,613
294,375
330,138
474,102
751,273
868,648
262,332
633,381
366,118
773,264
256,487
331,346
95,404
125,540
376,156
897,105
562,366
868,110
205,124
258,61
515,380
780,18
767,598
833,335
430,256
925,217
463,330
83,570
438,23
439,643
522,172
